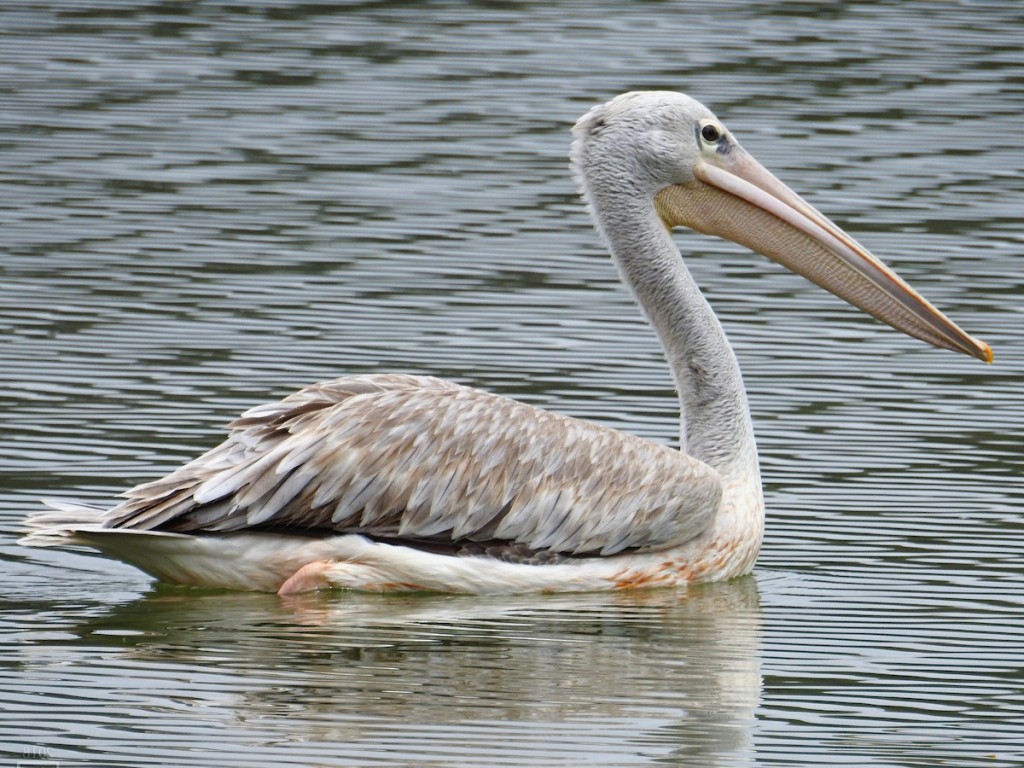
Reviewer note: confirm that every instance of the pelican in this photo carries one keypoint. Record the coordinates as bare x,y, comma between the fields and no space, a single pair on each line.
406,483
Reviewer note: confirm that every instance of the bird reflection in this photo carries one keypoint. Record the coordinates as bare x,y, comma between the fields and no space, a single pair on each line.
655,673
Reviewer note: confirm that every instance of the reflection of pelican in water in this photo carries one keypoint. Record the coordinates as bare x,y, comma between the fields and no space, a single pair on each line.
411,483
484,681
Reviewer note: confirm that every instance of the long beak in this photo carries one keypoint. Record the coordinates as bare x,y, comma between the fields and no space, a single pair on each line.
740,200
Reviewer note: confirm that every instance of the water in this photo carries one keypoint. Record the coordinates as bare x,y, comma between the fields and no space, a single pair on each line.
203,207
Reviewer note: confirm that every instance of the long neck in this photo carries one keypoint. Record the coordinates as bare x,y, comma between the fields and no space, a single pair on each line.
715,424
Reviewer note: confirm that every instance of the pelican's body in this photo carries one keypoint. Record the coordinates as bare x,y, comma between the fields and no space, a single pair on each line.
395,482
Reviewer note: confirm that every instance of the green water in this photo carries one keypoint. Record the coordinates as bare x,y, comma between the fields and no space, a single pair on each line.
206,206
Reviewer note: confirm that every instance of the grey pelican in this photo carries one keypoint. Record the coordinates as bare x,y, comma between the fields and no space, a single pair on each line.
396,482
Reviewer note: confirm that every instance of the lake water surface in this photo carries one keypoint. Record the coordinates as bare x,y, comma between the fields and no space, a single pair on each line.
206,206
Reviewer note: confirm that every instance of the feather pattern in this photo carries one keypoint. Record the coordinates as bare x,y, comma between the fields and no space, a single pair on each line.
419,458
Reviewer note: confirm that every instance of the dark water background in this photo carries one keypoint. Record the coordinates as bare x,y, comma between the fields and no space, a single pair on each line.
206,206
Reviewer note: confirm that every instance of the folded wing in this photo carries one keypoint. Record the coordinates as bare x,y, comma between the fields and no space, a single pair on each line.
418,458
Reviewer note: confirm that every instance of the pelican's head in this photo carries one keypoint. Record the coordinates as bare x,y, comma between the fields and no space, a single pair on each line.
670,148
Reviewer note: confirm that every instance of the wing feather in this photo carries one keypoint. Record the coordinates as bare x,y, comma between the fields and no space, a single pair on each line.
418,457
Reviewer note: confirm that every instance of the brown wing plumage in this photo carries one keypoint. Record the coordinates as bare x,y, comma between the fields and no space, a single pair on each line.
416,457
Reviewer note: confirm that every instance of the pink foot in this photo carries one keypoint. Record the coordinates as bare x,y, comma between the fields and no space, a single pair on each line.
308,578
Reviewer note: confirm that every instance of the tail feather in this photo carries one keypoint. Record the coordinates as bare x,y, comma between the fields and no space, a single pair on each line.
58,525
246,561
71,522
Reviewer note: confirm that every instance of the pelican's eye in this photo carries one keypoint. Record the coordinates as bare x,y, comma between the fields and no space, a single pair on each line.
710,133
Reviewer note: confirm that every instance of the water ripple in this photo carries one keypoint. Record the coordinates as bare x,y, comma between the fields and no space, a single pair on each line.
209,205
